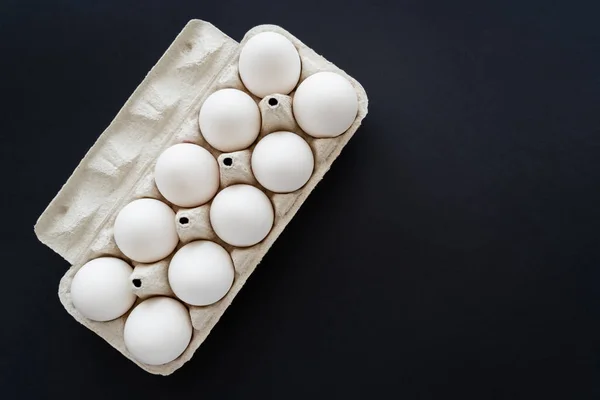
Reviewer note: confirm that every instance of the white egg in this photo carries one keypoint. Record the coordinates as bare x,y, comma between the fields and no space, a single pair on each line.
241,215
101,290
145,230
325,105
269,63
229,120
158,330
201,273
187,175
282,162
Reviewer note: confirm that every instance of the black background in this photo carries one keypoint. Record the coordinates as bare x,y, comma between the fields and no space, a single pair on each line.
451,251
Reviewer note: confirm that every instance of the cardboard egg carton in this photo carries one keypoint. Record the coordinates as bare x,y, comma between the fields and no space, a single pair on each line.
118,169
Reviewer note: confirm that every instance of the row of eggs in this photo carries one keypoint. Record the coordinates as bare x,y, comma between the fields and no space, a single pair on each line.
158,329
201,273
324,106
187,175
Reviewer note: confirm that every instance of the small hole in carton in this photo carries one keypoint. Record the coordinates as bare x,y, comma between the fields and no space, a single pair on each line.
273,102
137,283
228,161
184,220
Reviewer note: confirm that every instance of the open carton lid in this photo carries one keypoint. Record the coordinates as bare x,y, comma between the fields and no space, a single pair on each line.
151,117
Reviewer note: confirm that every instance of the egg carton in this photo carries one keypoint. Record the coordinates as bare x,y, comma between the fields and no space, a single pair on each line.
163,111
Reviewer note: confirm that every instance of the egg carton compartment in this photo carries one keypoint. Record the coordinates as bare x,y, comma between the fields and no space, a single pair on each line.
163,111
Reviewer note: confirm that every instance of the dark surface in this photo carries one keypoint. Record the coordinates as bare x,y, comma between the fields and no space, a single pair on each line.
451,251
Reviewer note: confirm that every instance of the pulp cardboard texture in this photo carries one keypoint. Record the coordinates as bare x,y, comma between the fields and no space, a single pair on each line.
118,169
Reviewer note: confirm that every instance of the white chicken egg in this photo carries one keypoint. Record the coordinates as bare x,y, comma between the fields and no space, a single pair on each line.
269,63
282,162
241,215
158,330
145,230
201,273
187,175
325,105
229,120
101,290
